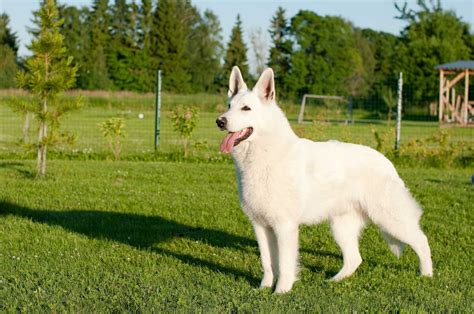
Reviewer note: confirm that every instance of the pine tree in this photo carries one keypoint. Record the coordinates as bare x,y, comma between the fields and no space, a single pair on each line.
8,53
7,37
281,50
99,23
204,51
75,30
168,38
236,53
120,49
48,73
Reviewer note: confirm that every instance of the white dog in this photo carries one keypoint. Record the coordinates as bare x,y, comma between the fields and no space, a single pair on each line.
285,181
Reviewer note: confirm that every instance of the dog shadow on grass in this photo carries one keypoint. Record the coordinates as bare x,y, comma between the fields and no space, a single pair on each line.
139,231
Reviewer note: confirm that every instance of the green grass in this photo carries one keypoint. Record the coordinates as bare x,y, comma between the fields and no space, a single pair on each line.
100,106
98,236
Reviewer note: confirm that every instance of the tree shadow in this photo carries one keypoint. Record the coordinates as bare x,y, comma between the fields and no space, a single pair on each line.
17,166
140,231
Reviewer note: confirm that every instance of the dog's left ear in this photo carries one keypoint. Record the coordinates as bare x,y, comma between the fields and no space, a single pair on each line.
265,86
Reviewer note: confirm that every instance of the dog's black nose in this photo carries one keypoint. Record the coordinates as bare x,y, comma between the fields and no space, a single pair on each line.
221,122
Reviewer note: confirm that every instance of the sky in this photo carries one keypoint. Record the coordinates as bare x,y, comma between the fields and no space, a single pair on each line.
376,14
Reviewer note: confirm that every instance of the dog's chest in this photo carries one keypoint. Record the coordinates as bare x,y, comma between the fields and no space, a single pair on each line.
267,193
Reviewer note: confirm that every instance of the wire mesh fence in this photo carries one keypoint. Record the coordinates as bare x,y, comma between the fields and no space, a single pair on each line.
359,120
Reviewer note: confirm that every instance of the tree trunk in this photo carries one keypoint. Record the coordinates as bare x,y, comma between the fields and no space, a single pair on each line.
26,128
42,143
39,161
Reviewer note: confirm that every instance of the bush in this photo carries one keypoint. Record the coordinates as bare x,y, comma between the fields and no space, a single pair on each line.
184,123
113,131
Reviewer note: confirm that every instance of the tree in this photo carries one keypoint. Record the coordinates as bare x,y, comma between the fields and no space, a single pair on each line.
326,56
96,62
48,73
259,48
281,50
7,37
433,36
236,53
76,30
204,51
8,53
168,38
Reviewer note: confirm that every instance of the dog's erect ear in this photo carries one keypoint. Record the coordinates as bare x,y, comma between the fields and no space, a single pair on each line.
236,82
265,86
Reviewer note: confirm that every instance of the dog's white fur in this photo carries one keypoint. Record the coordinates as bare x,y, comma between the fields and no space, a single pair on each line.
285,181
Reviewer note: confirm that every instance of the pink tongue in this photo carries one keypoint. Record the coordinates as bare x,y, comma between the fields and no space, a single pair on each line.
228,142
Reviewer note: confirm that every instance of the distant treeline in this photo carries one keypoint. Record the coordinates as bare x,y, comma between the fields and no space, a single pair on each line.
119,45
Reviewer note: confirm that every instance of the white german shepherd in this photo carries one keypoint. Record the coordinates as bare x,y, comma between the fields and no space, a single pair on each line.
285,181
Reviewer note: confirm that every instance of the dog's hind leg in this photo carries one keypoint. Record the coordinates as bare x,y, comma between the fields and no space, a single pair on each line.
346,229
268,254
400,220
395,246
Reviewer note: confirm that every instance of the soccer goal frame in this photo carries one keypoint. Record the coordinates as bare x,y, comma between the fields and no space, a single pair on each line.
306,96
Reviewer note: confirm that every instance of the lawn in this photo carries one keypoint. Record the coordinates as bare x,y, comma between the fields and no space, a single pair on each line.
99,236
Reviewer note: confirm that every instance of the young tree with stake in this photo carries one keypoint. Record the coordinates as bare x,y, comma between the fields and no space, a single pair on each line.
49,72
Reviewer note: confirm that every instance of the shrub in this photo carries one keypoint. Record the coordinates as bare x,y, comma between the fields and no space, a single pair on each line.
184,123
113,131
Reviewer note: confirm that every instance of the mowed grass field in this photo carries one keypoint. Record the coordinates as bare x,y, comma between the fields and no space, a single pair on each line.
84,124
99,236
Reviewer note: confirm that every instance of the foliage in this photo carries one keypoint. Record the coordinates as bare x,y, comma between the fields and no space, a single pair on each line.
433,36
390,101
8,53
184,122
205,51
281,50
48,73
113,131
327,59
236,52
8,67
7,37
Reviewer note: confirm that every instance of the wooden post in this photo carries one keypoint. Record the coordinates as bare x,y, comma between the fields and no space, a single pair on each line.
466,98
301,115
441,96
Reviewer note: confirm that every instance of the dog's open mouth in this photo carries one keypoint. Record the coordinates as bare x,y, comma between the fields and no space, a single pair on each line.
234,138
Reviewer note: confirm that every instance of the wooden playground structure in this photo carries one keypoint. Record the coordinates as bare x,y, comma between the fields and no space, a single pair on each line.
454,105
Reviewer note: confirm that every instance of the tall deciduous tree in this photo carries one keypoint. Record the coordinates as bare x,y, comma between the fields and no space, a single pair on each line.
433,36
236,53
326,56
48,73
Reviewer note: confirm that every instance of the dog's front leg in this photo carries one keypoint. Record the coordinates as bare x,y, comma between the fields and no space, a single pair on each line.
268,253
287,239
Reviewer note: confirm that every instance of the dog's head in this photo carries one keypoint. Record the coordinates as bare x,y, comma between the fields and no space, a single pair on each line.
248,109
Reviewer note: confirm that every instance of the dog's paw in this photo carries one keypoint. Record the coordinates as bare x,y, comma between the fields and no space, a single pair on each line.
267,282
283,286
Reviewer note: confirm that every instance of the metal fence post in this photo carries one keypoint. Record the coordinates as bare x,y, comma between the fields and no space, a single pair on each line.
157,108
399,111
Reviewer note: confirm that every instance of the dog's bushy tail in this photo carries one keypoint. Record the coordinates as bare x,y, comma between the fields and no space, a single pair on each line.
395,245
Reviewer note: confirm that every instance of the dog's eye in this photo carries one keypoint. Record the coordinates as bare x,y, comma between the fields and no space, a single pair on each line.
246,108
